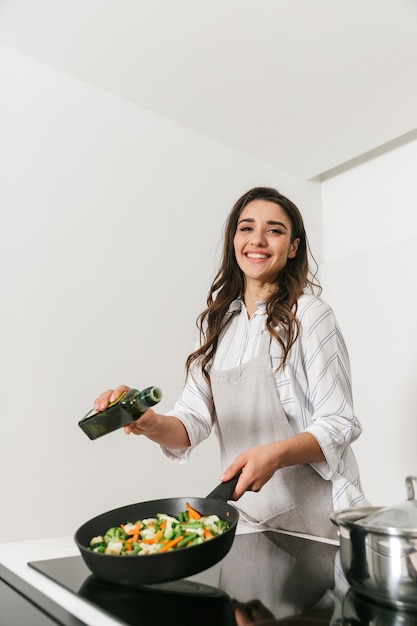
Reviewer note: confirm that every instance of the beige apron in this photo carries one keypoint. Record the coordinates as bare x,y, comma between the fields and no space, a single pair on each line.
248,413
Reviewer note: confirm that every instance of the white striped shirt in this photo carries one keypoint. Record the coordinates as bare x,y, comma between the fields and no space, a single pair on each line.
314,388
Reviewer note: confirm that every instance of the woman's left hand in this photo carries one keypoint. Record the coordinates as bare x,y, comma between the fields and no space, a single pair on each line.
258,465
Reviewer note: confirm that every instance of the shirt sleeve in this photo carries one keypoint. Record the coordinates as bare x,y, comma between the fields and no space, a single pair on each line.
328,397
195,409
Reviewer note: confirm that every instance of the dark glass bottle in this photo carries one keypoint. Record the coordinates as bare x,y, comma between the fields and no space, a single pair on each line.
130,406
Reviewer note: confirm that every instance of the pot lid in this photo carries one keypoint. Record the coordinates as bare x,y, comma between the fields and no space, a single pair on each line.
403,515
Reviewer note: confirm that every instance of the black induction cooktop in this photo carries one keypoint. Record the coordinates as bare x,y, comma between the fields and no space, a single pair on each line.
179,602
267,578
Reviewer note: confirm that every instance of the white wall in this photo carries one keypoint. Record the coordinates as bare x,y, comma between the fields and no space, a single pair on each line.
370,259
111,221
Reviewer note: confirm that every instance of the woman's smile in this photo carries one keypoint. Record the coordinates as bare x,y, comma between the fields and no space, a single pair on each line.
256,255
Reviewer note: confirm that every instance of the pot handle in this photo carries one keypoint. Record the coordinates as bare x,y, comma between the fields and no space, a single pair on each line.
224,491
410,487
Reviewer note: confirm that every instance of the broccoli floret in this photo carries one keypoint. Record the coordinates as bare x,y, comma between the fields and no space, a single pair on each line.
115,534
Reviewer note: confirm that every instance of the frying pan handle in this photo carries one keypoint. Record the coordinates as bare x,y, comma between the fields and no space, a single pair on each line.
224,491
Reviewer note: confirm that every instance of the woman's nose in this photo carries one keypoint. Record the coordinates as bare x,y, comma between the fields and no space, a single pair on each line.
258,239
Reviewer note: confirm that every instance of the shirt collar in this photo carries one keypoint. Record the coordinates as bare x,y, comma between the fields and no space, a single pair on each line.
237,305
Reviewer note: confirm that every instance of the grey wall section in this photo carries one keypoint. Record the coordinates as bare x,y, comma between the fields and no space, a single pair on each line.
379,323
370,253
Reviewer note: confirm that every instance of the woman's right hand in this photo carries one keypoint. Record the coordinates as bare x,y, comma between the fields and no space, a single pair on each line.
109,396
166,430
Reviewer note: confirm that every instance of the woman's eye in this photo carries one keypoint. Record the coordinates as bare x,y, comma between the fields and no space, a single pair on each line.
245,229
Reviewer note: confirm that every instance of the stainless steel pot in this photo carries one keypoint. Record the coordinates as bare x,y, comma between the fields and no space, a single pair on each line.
378,550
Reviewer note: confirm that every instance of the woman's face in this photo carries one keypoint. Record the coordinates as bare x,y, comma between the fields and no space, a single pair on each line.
262,241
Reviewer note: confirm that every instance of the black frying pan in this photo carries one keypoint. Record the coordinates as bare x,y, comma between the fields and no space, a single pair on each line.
157,568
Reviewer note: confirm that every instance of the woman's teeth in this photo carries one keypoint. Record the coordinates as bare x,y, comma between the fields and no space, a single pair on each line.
255,255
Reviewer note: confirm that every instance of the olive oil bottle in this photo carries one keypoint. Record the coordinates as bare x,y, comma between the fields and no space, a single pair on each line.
130,406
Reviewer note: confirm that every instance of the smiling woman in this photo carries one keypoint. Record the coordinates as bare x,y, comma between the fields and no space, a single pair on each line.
271,375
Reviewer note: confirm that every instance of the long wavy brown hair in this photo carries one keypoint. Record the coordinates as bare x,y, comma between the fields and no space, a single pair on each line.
229,284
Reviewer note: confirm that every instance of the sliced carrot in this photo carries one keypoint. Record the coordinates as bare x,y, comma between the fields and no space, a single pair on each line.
171,544
163,524
208,534
192,513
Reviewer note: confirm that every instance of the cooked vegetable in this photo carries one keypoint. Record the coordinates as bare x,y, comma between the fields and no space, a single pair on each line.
192,513
159,534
